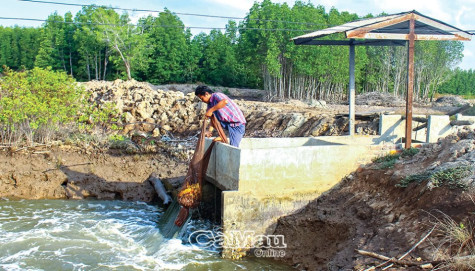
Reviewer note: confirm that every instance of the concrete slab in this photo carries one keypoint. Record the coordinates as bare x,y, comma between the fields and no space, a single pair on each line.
438,126
462,117
392,128
270,177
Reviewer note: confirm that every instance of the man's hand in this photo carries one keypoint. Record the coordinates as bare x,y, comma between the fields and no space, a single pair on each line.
208,133
209,113
218,106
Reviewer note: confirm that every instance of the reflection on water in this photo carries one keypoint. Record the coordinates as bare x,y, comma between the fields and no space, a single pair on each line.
100,235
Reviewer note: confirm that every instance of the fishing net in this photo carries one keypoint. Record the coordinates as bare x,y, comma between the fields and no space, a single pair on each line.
189,195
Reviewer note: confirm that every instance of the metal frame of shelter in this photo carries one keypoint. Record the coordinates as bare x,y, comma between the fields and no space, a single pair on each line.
391,30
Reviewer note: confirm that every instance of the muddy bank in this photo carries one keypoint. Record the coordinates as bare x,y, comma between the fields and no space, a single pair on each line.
68,172
368,211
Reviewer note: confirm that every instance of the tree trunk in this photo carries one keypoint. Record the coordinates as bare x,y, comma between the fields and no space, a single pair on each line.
88,67
126,62
98,72
71,63
106,56
62,60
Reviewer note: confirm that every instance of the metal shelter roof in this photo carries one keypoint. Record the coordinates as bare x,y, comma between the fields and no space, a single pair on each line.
387,30
391,30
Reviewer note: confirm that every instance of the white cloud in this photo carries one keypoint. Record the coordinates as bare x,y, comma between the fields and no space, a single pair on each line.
135,16
241,5
328,3
463,19
468,56
467,52
431,8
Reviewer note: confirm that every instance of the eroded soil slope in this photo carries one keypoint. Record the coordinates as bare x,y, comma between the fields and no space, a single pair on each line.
76,173
368,211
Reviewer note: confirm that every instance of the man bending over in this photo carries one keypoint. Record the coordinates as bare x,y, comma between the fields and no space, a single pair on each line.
226,111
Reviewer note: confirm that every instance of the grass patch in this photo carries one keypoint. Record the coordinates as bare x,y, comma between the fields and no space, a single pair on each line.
77,138
458,243
120,142
388,161
469,96
418,178
451,177
409,152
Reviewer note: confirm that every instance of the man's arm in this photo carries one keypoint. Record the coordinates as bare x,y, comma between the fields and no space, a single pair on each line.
209,133
218,106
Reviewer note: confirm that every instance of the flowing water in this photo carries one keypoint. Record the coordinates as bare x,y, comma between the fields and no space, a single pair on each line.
101,235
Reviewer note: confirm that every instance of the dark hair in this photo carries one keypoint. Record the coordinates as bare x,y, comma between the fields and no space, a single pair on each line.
201,90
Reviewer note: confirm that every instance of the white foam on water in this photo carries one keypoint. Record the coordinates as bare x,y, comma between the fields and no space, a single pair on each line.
51,221
91,205
78,266
19,255
60,228
11,267
93,235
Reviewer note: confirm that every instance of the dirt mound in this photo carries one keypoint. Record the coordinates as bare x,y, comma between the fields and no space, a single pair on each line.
378,99
147,109
237,93
450,101
144,108
386,210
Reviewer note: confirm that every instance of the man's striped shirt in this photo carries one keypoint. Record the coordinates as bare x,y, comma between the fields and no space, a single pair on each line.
230,113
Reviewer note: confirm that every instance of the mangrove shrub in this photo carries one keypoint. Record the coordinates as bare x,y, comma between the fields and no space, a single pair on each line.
34,103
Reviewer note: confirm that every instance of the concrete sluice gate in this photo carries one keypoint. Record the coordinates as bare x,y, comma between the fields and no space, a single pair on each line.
250,187
267,178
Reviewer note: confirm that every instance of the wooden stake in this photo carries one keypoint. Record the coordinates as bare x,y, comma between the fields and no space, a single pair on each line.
410,82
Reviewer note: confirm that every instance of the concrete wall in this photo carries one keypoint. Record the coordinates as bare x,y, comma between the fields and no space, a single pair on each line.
461,117
265,143
392,128
270,177
298,169
437,127
262,164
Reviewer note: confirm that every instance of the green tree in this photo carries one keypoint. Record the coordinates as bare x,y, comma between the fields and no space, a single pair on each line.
169,44
51,51
192,70
219,58
98,43
93,52
18,47
461,82
433,62
127,41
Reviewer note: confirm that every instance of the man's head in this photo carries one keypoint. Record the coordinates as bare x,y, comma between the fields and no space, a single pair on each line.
204,93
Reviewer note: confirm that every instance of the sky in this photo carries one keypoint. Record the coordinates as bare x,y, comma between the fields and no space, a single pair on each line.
458,13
